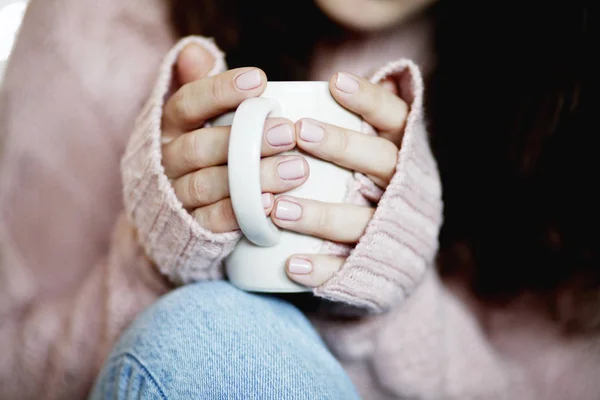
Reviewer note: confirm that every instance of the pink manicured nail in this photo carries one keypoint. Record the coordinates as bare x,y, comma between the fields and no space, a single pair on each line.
299,266
288,211
346,83
248,80
266,200
311,132
280,135
293,169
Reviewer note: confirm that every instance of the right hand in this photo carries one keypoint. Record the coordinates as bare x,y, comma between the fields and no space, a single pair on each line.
195,158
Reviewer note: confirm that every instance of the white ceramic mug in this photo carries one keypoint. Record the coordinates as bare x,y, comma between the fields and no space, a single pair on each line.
258,261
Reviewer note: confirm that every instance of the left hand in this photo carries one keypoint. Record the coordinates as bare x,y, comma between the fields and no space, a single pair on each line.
375,156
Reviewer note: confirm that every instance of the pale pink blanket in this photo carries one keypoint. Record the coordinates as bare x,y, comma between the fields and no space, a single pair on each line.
75,270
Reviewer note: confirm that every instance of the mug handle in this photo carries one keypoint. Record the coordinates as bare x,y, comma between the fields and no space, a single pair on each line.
245,142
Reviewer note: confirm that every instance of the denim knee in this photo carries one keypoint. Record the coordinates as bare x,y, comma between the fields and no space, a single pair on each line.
212,341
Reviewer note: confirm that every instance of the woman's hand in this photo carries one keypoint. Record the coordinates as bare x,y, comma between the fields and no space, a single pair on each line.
375,156
195,158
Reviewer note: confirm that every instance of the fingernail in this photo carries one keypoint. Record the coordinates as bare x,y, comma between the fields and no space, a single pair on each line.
346,83
280,135
293,169
266,200
311,132
248,80
288,211
299,266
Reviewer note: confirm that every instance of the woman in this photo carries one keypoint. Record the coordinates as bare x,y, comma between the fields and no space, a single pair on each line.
516,314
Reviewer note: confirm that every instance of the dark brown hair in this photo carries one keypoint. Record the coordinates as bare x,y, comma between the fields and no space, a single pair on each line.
509,104
510,110
277,36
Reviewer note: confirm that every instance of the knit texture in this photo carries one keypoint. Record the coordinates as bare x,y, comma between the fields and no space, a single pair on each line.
181,248
400,241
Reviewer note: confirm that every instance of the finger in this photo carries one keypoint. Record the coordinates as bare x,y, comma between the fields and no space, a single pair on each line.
372,155
197,101
209,185
194,62
385,111
313,270
338,222
219,217
389,85
208,147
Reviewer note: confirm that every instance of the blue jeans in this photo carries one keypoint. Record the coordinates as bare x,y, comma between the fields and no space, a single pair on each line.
212,341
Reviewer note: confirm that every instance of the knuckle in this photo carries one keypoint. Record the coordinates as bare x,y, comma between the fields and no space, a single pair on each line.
191,152
181,105
196,188
188,150
323,220
340,145
222,214
218,90
200,216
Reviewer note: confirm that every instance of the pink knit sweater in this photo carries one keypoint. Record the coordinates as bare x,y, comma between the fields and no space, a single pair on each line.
81,72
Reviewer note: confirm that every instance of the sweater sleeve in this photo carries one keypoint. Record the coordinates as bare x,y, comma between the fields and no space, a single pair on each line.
400,241
431,347
55,336
181,248
428,344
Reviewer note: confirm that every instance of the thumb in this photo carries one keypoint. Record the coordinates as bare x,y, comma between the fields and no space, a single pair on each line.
194,62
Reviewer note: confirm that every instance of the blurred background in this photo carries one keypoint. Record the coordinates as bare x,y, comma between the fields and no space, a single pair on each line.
11,14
